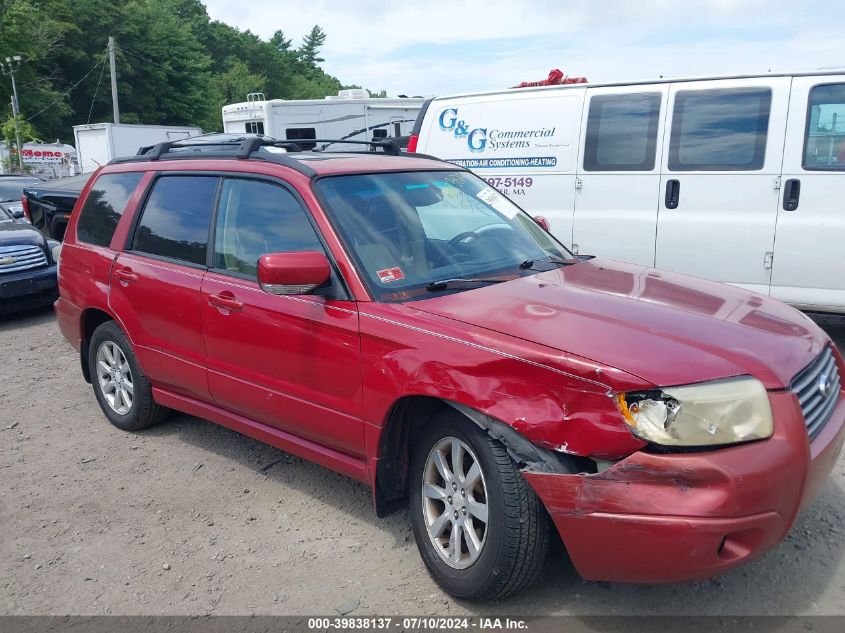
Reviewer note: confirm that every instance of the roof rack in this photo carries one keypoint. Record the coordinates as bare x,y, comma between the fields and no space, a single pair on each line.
229,146
219,146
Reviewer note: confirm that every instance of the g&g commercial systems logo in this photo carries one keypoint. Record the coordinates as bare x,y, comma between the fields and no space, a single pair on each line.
479,139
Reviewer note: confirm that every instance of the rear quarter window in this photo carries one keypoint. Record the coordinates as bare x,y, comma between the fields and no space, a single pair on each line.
104,206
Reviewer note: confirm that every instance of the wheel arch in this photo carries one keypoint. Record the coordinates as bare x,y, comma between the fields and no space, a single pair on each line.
90,320
409,414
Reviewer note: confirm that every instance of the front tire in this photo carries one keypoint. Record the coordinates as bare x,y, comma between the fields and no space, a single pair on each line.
481,530
122,390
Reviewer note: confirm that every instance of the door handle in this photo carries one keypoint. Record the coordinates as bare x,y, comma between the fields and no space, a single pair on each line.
225,301
673,193
791,194
125,275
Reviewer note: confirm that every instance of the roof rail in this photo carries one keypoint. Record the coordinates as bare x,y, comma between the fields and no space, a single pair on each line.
389,146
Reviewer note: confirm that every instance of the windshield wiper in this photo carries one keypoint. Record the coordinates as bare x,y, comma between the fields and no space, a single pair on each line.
528,264
445,284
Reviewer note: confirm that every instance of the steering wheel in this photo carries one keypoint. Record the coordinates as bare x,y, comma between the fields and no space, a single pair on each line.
453,243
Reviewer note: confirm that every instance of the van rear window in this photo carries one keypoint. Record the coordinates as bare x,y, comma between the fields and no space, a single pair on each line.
622,132
104,206
824,144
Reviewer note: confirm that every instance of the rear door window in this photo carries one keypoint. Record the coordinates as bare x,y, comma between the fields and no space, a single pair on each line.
719,130
622,132
824,143
104,207
176,218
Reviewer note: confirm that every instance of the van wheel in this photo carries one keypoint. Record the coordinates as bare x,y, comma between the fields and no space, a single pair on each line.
481,531
121,388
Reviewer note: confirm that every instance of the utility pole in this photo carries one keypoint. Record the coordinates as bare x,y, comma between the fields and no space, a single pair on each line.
113,69
13,63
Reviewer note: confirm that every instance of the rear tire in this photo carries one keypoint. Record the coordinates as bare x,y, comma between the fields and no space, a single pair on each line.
507,550
122,390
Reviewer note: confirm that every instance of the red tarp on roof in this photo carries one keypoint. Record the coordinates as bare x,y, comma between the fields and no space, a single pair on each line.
555,78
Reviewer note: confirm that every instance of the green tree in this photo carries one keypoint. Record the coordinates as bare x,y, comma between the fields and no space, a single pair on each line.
310,49
10,132
236,82
175,65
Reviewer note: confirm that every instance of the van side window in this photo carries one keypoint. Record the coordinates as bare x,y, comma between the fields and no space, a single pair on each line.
255,218
824,143
719,130
622,132
299,133
103,207
175,221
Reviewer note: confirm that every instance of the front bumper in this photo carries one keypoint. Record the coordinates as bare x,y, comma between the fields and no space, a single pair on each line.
28,289
677,517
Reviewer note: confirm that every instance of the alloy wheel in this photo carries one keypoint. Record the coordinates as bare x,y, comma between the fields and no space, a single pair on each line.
114,377
454,499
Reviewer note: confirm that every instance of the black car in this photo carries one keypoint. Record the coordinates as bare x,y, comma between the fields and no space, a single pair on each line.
48,204
11,191
27,269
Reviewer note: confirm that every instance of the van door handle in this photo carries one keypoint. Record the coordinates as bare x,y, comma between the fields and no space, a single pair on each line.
673,193
125,275
225,301
791,194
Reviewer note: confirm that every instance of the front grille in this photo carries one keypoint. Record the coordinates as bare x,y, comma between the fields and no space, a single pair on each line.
808,386
15,258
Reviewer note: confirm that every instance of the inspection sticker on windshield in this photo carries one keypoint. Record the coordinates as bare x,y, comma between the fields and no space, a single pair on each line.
497,201
390,274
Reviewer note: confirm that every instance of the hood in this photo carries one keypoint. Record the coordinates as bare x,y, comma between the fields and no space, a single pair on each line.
14,234
666,328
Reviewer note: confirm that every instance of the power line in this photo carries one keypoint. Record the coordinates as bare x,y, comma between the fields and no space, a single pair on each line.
102,71
67,92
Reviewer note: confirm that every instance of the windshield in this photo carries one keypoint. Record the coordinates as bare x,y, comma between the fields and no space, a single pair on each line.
4,216
12,190
409,231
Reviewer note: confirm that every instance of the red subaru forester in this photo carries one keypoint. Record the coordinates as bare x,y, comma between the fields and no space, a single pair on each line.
394,318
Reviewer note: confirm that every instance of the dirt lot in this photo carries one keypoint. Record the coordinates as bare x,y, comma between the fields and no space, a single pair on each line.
190,518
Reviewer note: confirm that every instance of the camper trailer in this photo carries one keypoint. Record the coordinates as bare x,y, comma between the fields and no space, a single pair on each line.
351,115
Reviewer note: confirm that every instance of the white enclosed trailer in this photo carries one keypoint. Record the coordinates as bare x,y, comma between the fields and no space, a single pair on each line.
352,115
98,143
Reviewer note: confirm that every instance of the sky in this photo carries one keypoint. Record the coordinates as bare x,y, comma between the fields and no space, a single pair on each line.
436,48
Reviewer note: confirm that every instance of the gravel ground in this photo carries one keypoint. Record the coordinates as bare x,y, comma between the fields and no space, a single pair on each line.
190,518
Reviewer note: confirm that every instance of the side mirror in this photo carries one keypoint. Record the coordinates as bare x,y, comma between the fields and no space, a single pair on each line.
543,222
296,273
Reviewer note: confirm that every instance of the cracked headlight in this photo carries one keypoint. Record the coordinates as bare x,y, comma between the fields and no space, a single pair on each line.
704,414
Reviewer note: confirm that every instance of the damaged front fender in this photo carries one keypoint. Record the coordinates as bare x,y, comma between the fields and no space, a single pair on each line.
528,456
555,401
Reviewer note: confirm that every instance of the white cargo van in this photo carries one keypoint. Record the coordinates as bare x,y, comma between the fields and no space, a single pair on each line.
737,179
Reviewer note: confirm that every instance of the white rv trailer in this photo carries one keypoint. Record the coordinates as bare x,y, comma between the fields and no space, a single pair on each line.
352,115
